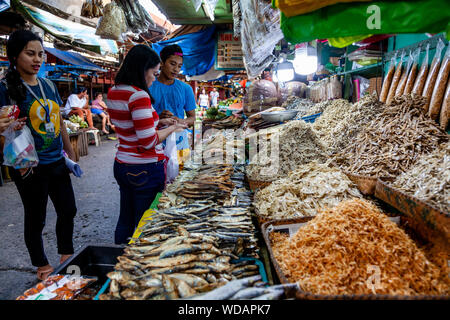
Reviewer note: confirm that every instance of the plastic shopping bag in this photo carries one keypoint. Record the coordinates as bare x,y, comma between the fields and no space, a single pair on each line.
170,152
19,151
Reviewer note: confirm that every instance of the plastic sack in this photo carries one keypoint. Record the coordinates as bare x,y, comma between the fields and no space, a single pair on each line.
432,74
413,72
292,88
421,78
261,95
396,79
445,109
237,17
295,7
360,18
19,151
402,84
388,79
170,151
113,23
260,33
439,87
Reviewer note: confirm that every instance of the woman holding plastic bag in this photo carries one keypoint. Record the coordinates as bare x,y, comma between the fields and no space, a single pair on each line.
140,163
39,101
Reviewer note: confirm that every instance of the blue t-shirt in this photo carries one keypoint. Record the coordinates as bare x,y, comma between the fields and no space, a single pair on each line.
177,98
49,149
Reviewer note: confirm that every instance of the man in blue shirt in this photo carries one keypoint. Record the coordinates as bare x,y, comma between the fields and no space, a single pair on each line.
174,98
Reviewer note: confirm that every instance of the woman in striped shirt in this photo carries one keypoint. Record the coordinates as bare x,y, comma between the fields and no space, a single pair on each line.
139,166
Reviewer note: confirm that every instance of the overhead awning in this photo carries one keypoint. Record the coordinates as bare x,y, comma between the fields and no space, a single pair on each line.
75,59
68,31
198,50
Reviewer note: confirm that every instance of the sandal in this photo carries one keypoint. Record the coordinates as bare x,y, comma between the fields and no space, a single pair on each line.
44,272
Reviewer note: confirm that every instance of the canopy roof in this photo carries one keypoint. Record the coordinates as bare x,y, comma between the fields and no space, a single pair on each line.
74,59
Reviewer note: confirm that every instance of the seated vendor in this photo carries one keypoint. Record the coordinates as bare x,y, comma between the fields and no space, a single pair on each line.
100,108
78,104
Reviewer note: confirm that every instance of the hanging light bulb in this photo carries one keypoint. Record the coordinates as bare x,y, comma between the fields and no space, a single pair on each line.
305,61
285,71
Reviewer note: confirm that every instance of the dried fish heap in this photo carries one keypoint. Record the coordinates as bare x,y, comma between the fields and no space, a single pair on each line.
161,267
320,107
301,105
393,141
338,251
206,182
429,179
306,190
294,145
232,226
338,125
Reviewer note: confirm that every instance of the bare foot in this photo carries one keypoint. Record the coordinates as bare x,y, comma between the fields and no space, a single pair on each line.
64,257
44,272
106,132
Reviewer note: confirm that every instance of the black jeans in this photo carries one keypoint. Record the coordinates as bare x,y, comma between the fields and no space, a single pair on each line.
139,184
47,180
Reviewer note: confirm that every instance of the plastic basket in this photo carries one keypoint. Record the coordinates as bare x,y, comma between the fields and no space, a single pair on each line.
311,118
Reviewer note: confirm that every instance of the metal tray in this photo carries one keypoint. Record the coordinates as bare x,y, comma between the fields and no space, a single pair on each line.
279,116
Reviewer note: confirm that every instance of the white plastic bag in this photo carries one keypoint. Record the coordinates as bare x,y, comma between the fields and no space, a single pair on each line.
19,151
170,151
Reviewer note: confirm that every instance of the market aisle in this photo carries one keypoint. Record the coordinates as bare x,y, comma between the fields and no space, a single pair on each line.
97,198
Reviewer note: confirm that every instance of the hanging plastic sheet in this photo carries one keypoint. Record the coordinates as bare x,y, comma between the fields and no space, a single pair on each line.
378,17
260,32
4,5
295,7
198,51
68,31
212,74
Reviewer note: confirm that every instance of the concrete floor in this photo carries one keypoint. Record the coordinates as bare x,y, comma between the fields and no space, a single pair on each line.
97,199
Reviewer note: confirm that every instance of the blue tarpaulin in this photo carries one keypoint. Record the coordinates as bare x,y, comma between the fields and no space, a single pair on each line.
198,50
75,59
4,5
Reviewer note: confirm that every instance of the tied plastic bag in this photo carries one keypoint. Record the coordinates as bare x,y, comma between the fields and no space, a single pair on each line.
113,23
19,151
73,166
170,151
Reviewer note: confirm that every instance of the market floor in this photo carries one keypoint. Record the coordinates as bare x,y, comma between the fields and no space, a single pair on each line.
97,199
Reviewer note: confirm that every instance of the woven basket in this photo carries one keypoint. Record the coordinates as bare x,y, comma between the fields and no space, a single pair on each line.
430,223
255,185
303,295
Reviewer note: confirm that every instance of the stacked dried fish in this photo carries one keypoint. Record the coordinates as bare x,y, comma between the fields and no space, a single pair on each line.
345,124
205,182
306,190
245,289
232,226
301,105
429,179
294,145
336,112
342,251
161,267
321,107
393,141
230,122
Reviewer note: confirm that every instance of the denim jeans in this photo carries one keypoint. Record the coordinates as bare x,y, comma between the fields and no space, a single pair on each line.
139,184
46,180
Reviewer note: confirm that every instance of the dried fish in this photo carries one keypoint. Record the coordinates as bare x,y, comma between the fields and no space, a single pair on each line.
296,144
306,189
393,140
429,178
336,252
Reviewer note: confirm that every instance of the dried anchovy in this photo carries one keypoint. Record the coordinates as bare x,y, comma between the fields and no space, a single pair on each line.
301,105
306,190
322,106
296,144
342,122
393,141
335,252
429,178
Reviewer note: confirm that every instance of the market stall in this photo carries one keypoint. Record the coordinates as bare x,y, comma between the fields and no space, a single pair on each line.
336,187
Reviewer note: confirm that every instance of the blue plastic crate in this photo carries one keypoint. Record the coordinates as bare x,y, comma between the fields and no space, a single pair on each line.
312,118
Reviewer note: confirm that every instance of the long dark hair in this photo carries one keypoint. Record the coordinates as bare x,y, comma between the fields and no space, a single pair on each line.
138,60
16,42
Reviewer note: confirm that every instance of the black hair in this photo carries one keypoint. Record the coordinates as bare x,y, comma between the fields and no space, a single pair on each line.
79,90
168,51
137,61
16,42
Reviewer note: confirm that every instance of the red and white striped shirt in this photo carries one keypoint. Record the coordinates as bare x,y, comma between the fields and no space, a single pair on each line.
135,123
